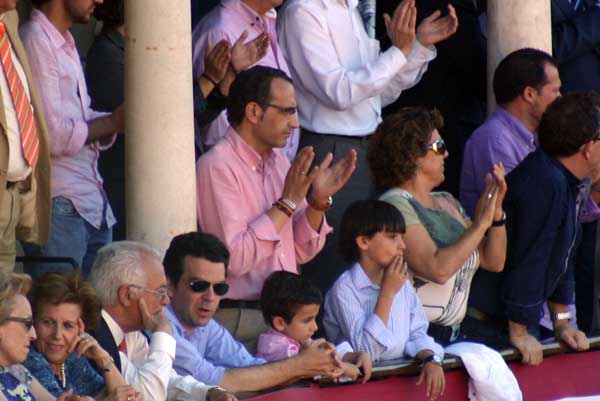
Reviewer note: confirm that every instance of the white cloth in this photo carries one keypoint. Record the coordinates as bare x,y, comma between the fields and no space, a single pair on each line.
149,368
18,168
341,79
490,377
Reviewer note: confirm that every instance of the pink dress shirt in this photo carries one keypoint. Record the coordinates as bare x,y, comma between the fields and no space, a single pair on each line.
235,188
228,21
275,346
60,82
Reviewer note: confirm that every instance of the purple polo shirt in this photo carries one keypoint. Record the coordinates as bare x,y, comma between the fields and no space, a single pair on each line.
501,138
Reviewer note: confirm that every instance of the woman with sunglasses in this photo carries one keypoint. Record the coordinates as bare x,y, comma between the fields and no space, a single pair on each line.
64,306
444,247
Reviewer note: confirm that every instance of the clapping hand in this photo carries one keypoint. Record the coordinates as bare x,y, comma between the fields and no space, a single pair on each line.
436,28
329,179
216,61
401,27
244,55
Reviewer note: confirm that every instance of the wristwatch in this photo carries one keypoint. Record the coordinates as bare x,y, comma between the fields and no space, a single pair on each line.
561,316
320,208
435,359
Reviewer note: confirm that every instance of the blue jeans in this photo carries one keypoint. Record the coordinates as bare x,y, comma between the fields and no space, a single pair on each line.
70,236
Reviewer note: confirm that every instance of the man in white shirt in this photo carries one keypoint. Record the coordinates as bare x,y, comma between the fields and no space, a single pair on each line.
342,81
130,281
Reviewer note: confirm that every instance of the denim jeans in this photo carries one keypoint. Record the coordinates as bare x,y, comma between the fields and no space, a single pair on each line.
70,236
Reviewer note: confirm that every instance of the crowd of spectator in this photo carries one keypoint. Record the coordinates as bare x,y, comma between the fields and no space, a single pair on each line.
322,152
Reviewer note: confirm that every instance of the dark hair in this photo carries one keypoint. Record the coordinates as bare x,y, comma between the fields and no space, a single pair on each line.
252,85
111,13
520,69
37,3
398,142
569,123
195,244
67,287
367,218
284,293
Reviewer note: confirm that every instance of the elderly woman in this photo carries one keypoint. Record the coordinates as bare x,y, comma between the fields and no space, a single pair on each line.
16,333
64,306
444,247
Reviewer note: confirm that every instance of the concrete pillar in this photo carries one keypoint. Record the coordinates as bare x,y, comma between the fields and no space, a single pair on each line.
512,25
160,166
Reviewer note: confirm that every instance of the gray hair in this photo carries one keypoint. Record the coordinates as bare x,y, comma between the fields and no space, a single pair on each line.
118,264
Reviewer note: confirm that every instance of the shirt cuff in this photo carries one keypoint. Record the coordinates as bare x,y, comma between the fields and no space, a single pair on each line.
393,56
78,138
526,315
303,232
163,342
106,142
424,343
192,387
421,53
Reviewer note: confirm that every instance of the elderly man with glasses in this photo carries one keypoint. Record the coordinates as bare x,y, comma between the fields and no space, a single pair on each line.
130,281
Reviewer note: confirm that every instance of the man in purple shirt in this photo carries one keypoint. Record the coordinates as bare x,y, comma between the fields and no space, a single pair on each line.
81,216
525,83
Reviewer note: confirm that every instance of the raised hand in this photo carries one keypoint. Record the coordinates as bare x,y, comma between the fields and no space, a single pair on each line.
216,61
244,55
86,345
501,187
298,179
330,179
401,27
395,276
436,28
154,322
485,210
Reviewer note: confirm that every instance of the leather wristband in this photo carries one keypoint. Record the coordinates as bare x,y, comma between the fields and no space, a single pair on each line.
211,80
106,367
284,208
501,222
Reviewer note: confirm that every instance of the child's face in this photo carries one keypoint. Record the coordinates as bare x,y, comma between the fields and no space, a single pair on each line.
383,247
303,324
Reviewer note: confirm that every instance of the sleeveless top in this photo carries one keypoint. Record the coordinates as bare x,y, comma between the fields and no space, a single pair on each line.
15,383
444,304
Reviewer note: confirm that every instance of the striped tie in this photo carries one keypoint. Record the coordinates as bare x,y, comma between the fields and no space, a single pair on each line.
29,135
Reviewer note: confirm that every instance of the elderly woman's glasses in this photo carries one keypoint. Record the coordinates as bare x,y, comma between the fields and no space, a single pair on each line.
438,147
25,321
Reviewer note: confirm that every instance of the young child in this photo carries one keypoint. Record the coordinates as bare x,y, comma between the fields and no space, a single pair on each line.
373,304
290,305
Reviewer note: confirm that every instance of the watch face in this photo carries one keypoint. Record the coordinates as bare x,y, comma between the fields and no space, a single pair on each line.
438,359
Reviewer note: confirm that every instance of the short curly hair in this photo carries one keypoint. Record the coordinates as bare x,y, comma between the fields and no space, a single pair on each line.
398,142
11,285
67,287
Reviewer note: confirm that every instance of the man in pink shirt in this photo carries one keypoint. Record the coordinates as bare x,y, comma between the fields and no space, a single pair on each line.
81,216
255,202
230,20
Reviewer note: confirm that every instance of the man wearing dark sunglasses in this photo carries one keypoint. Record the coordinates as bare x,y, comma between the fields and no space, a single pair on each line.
196,265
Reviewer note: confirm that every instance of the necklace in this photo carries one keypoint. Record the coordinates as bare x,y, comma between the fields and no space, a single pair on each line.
63,376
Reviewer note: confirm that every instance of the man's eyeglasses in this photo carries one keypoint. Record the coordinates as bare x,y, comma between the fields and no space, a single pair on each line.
438,147
25,321
286,110
200,286
162,293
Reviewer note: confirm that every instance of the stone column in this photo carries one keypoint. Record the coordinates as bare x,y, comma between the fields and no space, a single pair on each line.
160,165
512,25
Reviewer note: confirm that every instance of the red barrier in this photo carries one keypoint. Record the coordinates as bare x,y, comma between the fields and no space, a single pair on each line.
559,376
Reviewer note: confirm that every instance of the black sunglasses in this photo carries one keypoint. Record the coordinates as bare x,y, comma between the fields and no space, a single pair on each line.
25,321
438,147
200,286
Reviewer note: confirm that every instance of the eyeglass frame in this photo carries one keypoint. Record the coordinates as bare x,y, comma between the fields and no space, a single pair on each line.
290,111
25,321
163,293
438,147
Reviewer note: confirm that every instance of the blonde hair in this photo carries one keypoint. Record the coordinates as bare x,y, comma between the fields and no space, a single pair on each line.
11,284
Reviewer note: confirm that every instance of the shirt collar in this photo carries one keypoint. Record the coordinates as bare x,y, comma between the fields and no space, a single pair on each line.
517,127
114,327
360,278
57,38
249,14
249,156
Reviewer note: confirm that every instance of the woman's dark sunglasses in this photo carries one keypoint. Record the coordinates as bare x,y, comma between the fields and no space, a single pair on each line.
438,147
25,321
200,286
